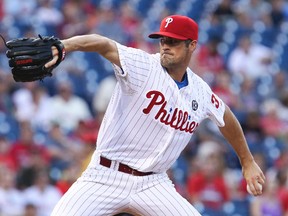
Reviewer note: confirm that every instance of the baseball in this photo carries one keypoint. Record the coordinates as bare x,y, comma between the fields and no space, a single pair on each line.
249,190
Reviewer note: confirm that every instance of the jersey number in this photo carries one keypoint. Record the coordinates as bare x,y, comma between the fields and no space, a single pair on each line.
215,101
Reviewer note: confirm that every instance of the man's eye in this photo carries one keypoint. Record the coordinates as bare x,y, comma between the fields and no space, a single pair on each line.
171,42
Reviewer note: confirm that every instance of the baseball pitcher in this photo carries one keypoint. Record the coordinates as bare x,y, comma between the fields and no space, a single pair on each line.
157,104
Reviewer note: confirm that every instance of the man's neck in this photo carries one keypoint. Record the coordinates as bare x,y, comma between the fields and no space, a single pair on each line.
176,75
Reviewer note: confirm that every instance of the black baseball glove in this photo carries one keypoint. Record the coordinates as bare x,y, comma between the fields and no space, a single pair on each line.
28,56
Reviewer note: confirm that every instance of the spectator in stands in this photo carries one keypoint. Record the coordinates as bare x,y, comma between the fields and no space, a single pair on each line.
279,86
4,67
207,185
48,16
108,27
283,109
6,159
131,23
138,41
74,19
250,60
6,104
37,108
68,108
23,100
11,199
268,203
32,104
282,190
249,96
68,176
30,210
207,61
128,19
19,12
28,156
254,9
102,96
222,87
1,10
277,12
271,121
224,10
65,149
253,131
88,149
24,150
42,190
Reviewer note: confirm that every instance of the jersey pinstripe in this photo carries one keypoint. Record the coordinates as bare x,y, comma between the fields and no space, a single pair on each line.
111,192
155,119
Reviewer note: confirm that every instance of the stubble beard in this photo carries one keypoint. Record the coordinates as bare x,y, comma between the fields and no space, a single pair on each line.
170,61
167,62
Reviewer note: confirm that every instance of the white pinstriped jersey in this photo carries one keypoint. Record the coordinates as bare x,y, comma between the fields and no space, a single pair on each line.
150,120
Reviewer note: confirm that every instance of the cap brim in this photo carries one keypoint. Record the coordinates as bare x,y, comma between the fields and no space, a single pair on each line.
156,35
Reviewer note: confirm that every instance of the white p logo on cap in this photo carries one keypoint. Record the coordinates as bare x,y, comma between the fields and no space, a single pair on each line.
168,21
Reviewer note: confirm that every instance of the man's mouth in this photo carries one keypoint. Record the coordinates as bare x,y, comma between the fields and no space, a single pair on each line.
166,53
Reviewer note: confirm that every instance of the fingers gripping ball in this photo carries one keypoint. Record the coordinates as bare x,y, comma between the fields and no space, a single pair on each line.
249,189
28,56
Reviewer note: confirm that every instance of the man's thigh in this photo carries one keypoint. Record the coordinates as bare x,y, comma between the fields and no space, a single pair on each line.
105,197
162,199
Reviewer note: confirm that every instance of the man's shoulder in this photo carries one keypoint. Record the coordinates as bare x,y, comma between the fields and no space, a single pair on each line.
196,82
193,76
137,51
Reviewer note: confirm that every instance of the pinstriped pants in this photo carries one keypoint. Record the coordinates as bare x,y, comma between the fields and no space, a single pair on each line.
104,191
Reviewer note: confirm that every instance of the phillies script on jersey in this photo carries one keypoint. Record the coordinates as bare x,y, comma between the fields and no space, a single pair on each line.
179,119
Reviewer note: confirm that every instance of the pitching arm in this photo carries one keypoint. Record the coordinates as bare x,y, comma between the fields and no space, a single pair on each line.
233,133
89,43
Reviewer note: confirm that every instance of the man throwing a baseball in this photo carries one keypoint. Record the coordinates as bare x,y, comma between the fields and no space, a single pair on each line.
157,104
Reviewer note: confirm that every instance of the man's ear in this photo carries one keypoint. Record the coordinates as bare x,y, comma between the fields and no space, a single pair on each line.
193,45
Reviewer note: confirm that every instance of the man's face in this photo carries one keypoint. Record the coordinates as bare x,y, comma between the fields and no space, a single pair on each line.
173,52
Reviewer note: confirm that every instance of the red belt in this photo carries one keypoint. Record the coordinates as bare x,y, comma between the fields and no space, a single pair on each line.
123,168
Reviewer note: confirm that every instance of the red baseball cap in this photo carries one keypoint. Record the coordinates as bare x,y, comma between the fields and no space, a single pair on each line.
178,27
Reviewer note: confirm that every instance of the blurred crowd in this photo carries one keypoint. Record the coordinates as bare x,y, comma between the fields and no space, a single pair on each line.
48,129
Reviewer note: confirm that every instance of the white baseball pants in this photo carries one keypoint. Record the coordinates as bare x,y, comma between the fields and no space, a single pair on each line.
104,191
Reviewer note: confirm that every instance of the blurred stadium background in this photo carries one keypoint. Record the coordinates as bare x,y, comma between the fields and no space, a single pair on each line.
48,129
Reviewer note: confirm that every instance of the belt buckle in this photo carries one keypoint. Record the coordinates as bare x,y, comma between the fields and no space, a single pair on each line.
133,172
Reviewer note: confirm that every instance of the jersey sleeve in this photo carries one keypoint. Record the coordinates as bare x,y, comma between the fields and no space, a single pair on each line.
135,67
215,107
